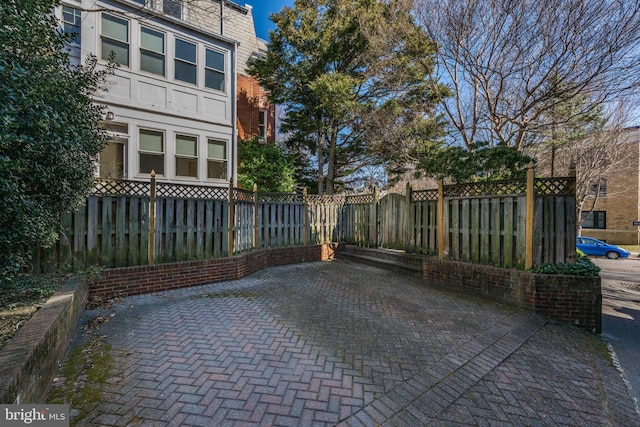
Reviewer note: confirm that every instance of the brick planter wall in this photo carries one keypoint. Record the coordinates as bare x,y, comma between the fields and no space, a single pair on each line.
571,299
31,357
128,281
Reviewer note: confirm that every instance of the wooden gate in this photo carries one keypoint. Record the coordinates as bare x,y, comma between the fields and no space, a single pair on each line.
393,221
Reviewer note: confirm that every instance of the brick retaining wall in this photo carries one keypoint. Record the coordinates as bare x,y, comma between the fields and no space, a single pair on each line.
571,299
31,357
126,281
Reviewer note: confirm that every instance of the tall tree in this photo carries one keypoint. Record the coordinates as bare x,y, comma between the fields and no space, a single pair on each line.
599,149
509,63
343,94
49,130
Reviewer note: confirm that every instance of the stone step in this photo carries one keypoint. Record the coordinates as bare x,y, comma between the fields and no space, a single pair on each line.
389,260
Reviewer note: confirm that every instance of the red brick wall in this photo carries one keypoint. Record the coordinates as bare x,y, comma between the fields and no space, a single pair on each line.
126,281
30,359
252,99
571,299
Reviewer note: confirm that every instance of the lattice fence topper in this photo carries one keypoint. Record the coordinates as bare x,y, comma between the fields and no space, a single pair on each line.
118,187
280,198
359,199
554,186
488,188
314,199
240,195
186,191
424,195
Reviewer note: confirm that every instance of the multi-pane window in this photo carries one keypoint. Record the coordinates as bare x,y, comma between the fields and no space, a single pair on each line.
598,188
115,38
151,51
185,61
262,125
151,151
595,219
216,159
187,156
172,8
72,23
214,70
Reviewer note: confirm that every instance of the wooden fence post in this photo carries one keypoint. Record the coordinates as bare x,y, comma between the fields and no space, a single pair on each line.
256,244
572,174
305,216
531,203
408,223
152,219
440,223
232,219
374,235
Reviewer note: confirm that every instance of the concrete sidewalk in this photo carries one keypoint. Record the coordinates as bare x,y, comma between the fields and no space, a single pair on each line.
338,343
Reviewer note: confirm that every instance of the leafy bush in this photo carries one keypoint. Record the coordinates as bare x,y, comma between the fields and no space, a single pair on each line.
267,165
582,267
49,131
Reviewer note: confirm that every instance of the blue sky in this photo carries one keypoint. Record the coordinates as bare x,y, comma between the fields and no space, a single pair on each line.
261,11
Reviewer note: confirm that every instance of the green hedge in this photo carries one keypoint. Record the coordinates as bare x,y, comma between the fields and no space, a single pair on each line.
582,267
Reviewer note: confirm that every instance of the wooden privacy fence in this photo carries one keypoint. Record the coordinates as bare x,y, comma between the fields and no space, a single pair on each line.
515,223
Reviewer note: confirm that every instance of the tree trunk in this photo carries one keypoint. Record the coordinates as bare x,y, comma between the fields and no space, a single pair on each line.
331,166
320,165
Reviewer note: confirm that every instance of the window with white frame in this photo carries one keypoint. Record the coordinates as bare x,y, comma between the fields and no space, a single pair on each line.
185,63
152,51
262,125
214,70
151,151
186,156
172,8
72,23
115,38
216,159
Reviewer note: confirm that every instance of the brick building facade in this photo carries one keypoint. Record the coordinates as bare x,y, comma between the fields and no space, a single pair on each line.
256,117
618,208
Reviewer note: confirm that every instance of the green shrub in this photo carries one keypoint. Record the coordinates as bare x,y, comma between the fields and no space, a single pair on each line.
582,267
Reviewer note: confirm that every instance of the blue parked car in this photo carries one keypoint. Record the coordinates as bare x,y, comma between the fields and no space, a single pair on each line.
595,247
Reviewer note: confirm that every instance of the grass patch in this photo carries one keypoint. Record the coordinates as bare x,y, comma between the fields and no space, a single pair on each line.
631,248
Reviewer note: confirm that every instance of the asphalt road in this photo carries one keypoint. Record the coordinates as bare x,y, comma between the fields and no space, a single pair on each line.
621,314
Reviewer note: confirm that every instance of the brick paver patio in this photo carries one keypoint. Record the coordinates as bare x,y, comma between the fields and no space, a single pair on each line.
339,343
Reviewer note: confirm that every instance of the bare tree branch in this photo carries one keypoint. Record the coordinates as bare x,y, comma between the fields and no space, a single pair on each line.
509,62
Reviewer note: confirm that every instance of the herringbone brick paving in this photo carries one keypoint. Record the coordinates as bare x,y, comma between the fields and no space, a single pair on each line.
339,343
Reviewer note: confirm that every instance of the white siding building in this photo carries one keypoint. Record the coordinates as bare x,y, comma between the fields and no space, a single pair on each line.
171,104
